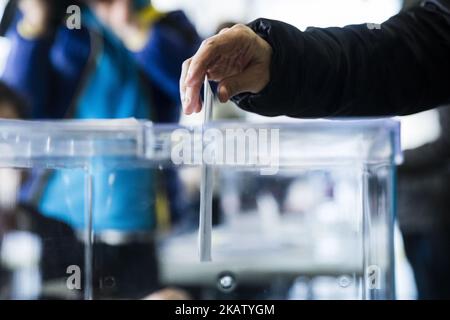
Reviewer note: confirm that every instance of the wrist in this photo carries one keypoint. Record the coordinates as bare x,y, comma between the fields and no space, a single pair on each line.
266,61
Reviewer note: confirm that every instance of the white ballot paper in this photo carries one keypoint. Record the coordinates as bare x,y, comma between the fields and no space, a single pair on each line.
206,187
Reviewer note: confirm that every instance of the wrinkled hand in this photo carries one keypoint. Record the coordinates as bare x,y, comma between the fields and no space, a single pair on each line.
237,58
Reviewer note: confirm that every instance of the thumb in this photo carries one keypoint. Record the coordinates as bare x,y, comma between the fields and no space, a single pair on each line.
246,81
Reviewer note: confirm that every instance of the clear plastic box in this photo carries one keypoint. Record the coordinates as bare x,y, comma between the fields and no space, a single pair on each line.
109,209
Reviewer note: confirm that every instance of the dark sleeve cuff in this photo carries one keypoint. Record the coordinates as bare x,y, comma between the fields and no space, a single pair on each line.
443,5
280,95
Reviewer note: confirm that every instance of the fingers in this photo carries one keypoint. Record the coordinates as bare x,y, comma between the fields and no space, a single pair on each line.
223,30
192,103
184,70
247,81
193,73
201,60
190,96
223,57
253,79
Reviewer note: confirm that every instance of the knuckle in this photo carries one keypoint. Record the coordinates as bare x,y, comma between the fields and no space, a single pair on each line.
242,28
209,42
186,62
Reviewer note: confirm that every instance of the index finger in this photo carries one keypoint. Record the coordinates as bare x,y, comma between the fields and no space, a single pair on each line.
182,85
200,62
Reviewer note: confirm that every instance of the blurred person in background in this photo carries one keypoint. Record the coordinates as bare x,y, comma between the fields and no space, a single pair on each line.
11,107
123,62
59,65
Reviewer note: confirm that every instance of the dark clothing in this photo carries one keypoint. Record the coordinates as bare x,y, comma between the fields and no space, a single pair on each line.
423,202
424,184
428,255
134,277
423,212
401,68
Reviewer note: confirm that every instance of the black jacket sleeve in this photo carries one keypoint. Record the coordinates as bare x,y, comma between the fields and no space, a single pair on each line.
397,68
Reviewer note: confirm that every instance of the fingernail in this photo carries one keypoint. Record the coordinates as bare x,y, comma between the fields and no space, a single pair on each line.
183,100
187,101
188,78
188,96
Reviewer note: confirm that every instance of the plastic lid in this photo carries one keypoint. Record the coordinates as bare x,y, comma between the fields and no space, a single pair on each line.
303,142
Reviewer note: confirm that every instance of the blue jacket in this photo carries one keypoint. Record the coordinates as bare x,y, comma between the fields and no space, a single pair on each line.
88,73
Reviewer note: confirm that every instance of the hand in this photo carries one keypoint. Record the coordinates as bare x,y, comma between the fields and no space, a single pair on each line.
121,17
36,15
237,58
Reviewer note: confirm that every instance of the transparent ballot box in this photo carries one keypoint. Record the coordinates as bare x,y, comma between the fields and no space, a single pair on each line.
110,209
